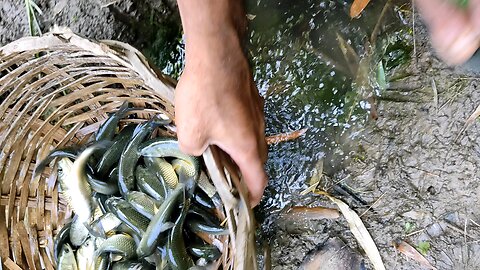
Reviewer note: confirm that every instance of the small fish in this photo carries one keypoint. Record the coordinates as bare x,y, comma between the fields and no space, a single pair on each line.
104,225
107,130
102,262
168,147
203,214
60,239
66,260
177,253
78,232
164,170
132,265
120,244
86,254
150,184
196,226
102,187
110,157
130,156
208,252
143,203
202,199
57,153
74,179
125,212
159,222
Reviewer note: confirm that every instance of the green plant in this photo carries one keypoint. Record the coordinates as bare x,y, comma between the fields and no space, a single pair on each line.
33,25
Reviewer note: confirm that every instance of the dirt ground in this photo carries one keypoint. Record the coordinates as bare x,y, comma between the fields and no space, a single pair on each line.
419,182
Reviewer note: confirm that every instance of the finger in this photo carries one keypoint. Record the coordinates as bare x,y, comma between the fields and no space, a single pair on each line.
253,173
455,39
189,141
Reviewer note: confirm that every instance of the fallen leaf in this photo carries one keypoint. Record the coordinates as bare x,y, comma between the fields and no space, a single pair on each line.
285,137
412,253
360,232
302,212
357,7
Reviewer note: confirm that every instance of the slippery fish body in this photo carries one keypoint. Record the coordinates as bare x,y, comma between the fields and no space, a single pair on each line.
78,232
125,212
66,259
85,255
107,130
105,224
168,147
102,187
57,153
164,170
202,199
130,156
131,266
208,252
143,203
60,240
110,157
102,262
78,191
203,214
177,253
120,244
196,225
159,223
183,167
150,184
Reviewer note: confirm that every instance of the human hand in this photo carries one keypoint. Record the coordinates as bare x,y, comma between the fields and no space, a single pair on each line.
216,101
454,31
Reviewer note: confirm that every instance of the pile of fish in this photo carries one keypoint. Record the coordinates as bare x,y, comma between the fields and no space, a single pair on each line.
137,202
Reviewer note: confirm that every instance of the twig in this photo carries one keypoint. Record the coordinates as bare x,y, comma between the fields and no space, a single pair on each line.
475,223
435,95
415,232
413,29
373,36
371,206
459,230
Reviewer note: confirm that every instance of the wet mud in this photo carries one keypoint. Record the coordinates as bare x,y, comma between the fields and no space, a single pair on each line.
411,175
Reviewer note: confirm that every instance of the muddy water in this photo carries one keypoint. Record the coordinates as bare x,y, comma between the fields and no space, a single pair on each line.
405,172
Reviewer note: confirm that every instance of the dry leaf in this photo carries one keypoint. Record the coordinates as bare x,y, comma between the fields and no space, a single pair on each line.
302,212
360,232
412,253
285,137
357,7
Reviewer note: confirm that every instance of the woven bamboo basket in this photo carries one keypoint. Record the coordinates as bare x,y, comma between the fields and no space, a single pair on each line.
55,91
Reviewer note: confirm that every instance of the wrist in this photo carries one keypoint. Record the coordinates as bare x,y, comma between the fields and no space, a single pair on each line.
214,29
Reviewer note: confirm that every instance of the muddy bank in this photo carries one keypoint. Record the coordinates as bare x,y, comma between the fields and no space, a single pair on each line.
419,181
151,26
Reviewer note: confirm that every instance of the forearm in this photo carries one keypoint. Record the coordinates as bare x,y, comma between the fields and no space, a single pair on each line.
212,27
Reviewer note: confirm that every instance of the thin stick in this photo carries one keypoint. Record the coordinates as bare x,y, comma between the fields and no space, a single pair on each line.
471,220
435,95
415,232
459,230
371,206
413,29
373,37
